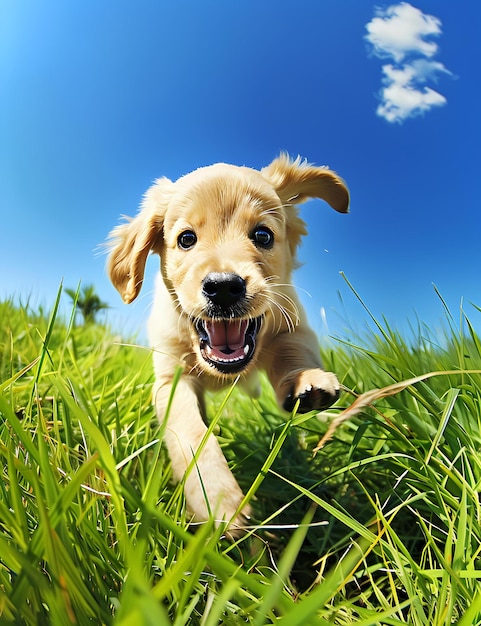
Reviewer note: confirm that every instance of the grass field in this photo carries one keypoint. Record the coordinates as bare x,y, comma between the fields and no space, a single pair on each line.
382,525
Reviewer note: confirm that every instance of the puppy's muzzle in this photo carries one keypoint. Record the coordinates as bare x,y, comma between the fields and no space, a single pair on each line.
228,335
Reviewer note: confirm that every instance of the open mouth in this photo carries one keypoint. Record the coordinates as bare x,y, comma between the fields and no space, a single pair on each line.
228,345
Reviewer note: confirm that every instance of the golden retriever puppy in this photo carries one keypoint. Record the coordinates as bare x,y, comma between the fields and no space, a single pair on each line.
225,307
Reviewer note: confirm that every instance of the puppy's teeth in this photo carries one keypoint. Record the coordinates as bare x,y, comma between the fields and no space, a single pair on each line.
246,350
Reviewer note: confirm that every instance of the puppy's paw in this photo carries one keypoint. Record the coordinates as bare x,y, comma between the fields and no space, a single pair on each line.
216,494
238,526
227,510
315,389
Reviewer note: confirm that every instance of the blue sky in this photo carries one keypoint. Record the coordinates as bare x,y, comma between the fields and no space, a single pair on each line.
97,99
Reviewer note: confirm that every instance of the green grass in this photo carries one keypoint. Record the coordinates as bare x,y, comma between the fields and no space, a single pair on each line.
381,526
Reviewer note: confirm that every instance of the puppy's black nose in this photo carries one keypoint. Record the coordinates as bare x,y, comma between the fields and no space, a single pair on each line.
223,288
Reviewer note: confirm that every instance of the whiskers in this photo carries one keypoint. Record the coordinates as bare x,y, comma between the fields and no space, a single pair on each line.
282,304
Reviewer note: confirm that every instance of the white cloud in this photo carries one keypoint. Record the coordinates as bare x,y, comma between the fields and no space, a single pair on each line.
428,70
403,97
403,33
401,29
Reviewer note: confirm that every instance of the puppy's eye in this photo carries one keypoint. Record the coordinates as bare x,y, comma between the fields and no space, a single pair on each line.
263,237
187,239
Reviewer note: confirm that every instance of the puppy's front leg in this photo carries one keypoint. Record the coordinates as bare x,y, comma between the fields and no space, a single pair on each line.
210,486
295,370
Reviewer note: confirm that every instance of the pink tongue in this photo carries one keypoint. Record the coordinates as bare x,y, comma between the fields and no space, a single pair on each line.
225,334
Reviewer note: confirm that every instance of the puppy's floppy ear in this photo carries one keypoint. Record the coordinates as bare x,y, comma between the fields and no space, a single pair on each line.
295,181
131,243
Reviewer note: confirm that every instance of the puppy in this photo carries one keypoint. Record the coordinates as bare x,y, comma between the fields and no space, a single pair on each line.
225,307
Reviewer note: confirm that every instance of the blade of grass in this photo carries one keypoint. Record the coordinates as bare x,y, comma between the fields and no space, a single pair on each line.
369,397
279,579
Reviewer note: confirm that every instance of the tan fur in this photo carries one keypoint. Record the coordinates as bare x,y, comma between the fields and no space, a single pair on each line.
223,205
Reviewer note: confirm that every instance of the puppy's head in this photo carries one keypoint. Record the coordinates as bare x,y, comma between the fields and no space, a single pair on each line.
227,239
